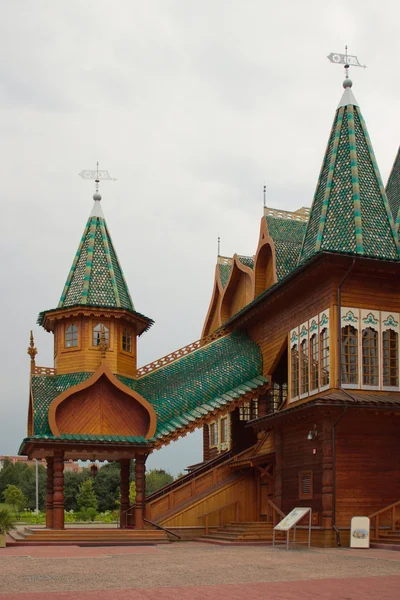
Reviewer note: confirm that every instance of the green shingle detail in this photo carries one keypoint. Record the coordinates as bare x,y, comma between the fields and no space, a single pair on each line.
96,277
350,211
393,190
248,261
179,392
287,235
224,272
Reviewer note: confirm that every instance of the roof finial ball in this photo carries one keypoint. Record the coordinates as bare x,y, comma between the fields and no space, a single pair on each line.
97,196
347,83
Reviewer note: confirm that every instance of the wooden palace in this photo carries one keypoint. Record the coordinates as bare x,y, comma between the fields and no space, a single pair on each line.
295,380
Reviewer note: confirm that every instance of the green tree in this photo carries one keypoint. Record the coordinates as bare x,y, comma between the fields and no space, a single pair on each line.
15,498
106,486
132,493
156,479
72,481
86,498
24,477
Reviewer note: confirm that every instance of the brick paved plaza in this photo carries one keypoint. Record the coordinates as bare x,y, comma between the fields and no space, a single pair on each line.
193,570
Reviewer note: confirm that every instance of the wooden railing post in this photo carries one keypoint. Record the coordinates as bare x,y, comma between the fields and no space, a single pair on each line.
377,526
237,511
393,518
206,524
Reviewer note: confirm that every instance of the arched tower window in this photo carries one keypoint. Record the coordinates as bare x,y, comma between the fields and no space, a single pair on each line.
325,358
349,358
71,336
304,366
295,370
314,365
370,367
127,340
390,347
97,334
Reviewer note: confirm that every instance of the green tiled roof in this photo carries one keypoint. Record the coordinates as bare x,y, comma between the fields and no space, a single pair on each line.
248,261
180,392
96,277
393,189
224,272
287,235
350,211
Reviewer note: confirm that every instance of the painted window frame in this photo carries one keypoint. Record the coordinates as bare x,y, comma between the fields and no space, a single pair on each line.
313,327
124,331
95,323
380,321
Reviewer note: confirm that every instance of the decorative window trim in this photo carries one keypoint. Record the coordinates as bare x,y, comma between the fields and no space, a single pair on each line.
62,342
214,438
306,330
107,323
303,476
123,351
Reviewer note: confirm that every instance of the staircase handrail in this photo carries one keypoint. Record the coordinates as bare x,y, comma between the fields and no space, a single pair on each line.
206,466
210,512
276,510
378,512
376,515
162,528
220,509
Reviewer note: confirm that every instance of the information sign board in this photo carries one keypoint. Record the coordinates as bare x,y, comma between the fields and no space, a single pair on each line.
292,518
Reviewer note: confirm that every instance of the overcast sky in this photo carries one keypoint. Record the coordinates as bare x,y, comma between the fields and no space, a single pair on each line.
191,105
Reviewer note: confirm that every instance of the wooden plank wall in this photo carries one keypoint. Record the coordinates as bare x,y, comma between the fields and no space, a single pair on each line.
308,296
241,490
297,455
367,464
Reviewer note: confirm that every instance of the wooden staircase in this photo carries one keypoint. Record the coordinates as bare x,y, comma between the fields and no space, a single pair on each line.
90,536
385,527
240,533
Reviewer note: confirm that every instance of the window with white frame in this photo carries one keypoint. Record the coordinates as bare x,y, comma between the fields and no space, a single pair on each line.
369,349
213,434
310,356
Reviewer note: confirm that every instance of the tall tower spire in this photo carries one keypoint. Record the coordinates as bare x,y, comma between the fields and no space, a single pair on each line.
350,211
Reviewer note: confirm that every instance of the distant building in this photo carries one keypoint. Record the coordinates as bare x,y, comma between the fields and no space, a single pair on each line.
69,465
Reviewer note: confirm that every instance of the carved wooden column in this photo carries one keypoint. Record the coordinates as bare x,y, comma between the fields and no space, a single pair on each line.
124,488
58,490
278,468
140,475
327,474
49,493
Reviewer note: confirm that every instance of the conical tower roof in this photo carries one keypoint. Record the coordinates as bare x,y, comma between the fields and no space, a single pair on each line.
350,211
393,189
96,277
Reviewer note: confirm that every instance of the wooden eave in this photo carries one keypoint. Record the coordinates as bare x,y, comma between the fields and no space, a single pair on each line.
366,400
141,322
211,416
247,313
83,450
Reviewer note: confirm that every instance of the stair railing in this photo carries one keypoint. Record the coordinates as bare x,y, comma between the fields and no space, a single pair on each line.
220,510
391,509
275,512
157,526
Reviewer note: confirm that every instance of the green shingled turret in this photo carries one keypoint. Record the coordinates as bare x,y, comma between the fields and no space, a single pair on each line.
350,211
393,190
96,277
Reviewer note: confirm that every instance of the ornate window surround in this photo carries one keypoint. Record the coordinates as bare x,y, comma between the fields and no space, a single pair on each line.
380,321
314,326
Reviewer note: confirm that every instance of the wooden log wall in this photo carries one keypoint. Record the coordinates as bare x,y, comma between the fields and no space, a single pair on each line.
367,464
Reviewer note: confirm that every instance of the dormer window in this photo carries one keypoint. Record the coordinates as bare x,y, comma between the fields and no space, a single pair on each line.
99,331
71,336
127,340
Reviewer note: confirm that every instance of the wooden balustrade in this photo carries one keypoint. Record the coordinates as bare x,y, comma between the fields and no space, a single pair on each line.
43,371
391,509
220,510
169,358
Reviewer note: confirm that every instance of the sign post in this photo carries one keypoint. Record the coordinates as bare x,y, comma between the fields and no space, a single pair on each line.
290,521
